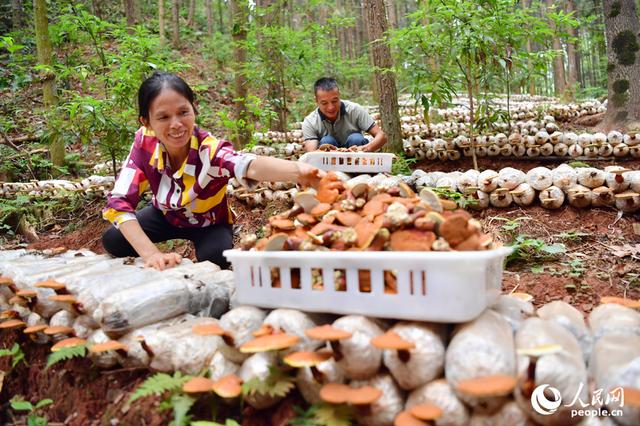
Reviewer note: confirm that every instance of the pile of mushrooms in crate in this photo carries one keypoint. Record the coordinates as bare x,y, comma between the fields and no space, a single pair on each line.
355,216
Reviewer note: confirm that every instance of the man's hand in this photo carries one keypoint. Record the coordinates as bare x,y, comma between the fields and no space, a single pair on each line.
309,176
162,261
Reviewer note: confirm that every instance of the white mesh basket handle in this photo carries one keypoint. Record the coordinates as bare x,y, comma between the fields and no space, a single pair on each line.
350,162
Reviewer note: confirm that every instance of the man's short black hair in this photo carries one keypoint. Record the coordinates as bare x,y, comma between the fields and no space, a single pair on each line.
325,84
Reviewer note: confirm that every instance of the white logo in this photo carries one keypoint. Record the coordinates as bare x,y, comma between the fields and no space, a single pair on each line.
541,404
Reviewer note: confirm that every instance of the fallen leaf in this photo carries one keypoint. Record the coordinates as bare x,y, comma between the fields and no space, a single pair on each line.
636,228
625,250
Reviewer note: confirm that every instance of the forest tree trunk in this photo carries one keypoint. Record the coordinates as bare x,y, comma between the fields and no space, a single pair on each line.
43,47
572,72
390,5
175,21
209,8
192,13
161,29
623,69
239,21
17,14
559,82
220,16
129,7
376,22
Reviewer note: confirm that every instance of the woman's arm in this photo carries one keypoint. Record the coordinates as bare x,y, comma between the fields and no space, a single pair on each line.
278,170
148,251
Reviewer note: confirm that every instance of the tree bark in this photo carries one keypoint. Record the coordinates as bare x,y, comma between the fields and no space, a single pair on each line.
390,5
96,8
572,74
192,13
209,8
220,16
175,21
45,57
129,11
17,14
161,23
623,69
376,21
239,21
559,81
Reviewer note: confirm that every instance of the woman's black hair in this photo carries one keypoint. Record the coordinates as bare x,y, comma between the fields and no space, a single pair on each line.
152,86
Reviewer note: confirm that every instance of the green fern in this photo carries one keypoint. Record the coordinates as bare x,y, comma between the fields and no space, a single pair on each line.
64,354
158,384
277,384
180,404
323,415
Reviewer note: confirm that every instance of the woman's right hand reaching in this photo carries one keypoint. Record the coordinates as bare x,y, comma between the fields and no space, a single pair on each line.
162,261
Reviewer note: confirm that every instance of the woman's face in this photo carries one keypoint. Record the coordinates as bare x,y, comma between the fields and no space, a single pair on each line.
172,119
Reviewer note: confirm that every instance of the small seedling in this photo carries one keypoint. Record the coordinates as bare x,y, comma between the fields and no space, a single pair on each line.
533,249
33,417
462,200
573,235
16,354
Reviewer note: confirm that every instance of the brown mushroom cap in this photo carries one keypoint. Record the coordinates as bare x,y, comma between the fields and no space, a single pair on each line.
631,396
283,224
63,298
52,284
58,329
306,359
208,330
68,343
264,330
35,328
431,199
198,385
348,218
364,395
629,303
392,340
327,332
6,280
229,386
9,314
12,323
335,393
17,300
111,345
320,209
406,419
412,240
488,386
273,342
27,294
426,412
276,242
525,297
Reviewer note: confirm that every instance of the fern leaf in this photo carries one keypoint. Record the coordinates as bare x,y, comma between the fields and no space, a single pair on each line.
181,405
276,384
64,354
158,384
330,415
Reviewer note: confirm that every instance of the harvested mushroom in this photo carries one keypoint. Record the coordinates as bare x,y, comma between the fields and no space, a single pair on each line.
418,364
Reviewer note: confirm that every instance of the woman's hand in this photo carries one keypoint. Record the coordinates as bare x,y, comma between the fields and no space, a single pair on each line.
309,176
160,261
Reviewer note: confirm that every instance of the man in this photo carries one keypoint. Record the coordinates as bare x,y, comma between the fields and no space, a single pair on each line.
339,123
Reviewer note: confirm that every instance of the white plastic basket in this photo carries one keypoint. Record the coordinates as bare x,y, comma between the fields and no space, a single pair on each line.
431,286
350,162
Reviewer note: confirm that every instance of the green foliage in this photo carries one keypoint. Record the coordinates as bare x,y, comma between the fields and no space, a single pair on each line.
16,354
79,351
277,384
532,249
462,200
402,164
33,411
573,235
158,384
578,164
511,225
323,415
227,422
180,404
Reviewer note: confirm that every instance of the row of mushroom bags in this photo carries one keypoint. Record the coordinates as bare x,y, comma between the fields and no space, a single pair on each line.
483,372
581,187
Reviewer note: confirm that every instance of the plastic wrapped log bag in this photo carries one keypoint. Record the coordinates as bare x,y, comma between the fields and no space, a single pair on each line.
563,369
440,394
510,414
240,323
611,318
571,319
155,301
481,348
383,411
615,369
513,309
178,348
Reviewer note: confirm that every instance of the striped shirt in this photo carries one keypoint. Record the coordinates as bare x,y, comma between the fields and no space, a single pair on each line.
193,196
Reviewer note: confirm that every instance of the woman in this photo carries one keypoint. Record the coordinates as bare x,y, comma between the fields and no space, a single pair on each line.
187,170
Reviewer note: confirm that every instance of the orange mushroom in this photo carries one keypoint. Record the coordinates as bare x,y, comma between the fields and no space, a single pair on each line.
629,303
198,385
59,329
488,386
52,284
406,419
273,342
229,386
338,393
392,340
9,314
35,329
213,330
68,343
27,294
534,353
12,323
426,412
111,345
330,334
